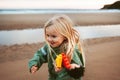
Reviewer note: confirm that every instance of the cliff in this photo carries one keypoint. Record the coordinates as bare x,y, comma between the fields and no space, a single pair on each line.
115,5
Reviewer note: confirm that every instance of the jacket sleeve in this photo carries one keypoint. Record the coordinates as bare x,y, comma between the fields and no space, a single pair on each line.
39,58
79,53
79,56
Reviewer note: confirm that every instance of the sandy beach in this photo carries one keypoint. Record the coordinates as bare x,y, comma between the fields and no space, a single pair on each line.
102,54
102,61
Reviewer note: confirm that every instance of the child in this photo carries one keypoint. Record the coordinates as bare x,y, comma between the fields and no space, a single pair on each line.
61,38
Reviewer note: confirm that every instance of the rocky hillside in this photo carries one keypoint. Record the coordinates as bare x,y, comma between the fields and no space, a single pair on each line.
115,5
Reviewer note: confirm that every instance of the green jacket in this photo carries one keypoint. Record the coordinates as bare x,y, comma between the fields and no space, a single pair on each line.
43,56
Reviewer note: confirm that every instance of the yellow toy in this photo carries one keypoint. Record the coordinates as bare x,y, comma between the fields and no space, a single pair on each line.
59,61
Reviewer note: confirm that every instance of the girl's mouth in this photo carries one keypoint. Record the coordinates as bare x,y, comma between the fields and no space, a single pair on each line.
52,43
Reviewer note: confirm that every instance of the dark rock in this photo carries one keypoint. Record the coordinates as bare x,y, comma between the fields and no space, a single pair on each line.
115,5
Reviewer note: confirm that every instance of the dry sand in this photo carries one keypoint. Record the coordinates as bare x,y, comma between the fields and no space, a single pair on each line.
102,61
24,21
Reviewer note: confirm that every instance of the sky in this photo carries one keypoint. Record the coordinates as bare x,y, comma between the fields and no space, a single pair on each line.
54,4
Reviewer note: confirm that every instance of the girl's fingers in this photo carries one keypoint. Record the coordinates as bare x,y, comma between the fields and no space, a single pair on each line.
77,66
34,69
73,66
58,69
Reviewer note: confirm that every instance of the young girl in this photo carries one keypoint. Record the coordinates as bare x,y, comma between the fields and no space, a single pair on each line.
61,38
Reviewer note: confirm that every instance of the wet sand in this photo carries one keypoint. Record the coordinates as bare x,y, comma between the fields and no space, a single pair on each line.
102,61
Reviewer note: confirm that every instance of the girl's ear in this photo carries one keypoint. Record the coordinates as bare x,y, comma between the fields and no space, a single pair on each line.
65,39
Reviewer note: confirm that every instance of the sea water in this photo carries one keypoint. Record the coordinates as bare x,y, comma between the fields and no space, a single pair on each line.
49,11
37,35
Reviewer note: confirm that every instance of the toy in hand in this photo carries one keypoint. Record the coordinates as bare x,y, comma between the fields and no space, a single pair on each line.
66,62
62,59
76,73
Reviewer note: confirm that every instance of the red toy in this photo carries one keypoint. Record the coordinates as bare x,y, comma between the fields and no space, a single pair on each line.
65,61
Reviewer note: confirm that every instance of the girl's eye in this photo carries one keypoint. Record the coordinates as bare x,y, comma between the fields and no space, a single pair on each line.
54,36
47,35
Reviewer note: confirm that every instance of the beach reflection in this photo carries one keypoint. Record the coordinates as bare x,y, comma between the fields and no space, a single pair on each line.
21,36
37,35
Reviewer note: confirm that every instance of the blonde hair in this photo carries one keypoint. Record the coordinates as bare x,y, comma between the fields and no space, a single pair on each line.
64,26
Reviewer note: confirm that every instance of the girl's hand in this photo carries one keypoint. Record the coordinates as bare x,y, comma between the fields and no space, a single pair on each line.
58,69
73,66
34,69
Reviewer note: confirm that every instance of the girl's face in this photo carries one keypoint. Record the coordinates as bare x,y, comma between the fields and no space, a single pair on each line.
53,37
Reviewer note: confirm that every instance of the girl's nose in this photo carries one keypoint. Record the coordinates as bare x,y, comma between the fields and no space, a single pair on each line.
49,39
